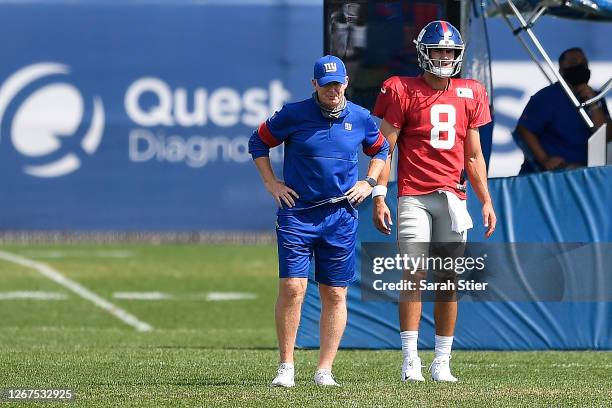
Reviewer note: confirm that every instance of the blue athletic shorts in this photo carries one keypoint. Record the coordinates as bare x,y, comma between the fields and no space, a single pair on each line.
329,232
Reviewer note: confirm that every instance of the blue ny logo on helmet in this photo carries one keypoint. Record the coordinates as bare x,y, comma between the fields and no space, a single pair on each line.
440,35
329,69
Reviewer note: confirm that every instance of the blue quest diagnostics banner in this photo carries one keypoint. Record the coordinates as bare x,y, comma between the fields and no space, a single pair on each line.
136,115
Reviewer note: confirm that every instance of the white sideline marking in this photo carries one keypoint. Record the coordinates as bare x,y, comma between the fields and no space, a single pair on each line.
77,288
211,296
214,296
142,295
80,254
32,295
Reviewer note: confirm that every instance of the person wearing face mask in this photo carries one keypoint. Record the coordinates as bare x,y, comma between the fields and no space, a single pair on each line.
552,133
322,136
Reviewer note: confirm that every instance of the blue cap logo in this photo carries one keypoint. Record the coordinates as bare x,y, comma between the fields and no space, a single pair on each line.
329,69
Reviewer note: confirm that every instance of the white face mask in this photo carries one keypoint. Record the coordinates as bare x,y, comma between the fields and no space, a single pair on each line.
442,71
433,65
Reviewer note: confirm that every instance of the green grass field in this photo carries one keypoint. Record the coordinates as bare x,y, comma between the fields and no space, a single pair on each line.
222,353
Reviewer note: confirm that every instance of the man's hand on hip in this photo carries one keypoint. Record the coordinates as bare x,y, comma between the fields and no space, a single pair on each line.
281,193
381,215
359,192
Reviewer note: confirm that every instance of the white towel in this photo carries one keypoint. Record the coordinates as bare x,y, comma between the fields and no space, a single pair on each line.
457,208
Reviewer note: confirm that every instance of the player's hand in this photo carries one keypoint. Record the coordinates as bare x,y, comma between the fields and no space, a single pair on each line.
554,163
381,215
488,218
359,192
282,193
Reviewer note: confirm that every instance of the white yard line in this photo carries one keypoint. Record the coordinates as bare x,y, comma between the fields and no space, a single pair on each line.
216,296
142,296
79,254
210,296
77,288
32,295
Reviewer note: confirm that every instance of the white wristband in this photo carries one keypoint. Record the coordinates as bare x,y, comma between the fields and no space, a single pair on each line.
379,191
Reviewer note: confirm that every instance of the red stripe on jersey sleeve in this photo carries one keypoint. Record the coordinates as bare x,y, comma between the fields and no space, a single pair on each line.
372,150
266,136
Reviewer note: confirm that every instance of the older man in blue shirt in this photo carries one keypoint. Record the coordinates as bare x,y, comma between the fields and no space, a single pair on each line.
316,215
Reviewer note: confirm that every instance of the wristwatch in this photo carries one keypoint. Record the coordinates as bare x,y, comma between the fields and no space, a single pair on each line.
371,181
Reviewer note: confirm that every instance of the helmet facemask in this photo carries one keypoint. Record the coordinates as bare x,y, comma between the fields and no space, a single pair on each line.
436,66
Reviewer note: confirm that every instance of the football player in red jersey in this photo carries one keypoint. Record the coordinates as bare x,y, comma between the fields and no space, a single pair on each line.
434,120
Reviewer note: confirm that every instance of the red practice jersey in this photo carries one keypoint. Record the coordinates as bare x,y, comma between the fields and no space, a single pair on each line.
433,125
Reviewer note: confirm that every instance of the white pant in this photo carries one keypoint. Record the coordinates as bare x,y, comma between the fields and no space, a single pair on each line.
424,219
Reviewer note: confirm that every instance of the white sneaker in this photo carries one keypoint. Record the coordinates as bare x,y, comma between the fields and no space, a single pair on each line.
285,376
324,377
411,370
440,369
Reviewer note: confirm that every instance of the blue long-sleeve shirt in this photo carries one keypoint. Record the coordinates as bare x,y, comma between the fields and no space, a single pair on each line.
552,117
321,154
